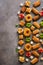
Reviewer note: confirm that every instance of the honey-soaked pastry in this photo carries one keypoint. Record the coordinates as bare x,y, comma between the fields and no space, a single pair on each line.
32,28
21,59
36,31
20,30
27,32
27,3
21,51
27,47
36,24
36,46
28,10
34,61
35,39
37,3
35,53
21,36
35,11
23,9
22,23
36,17
28,18
20,42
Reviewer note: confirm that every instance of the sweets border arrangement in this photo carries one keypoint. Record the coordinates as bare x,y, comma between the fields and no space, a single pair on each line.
30,33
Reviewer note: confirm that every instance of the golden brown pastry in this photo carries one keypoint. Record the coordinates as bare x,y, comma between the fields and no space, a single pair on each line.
21,59
21,51
21,42
37,3
21,36
36,17
35,11
27,47
27,32
20,30
22,23
28,10
36,31
36,46
35,39
28,18
27,3
36,24
23,9
35,60
32,28
35,53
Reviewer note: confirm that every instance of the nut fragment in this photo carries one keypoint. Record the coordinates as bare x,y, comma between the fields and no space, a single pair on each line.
21,4
31,42
41,58
18,47
18,12
31,57
27,59
37,35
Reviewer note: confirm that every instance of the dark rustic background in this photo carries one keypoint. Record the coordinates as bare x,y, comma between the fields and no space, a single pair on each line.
8,35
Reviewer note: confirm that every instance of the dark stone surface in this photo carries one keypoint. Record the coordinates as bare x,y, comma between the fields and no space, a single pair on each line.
8,35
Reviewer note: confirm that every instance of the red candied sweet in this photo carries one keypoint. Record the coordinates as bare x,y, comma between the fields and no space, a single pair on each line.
28,54
41,13
40,50
21,15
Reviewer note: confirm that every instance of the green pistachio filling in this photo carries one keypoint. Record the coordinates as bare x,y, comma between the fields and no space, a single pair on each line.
28,25
41,35
41,23
28,39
